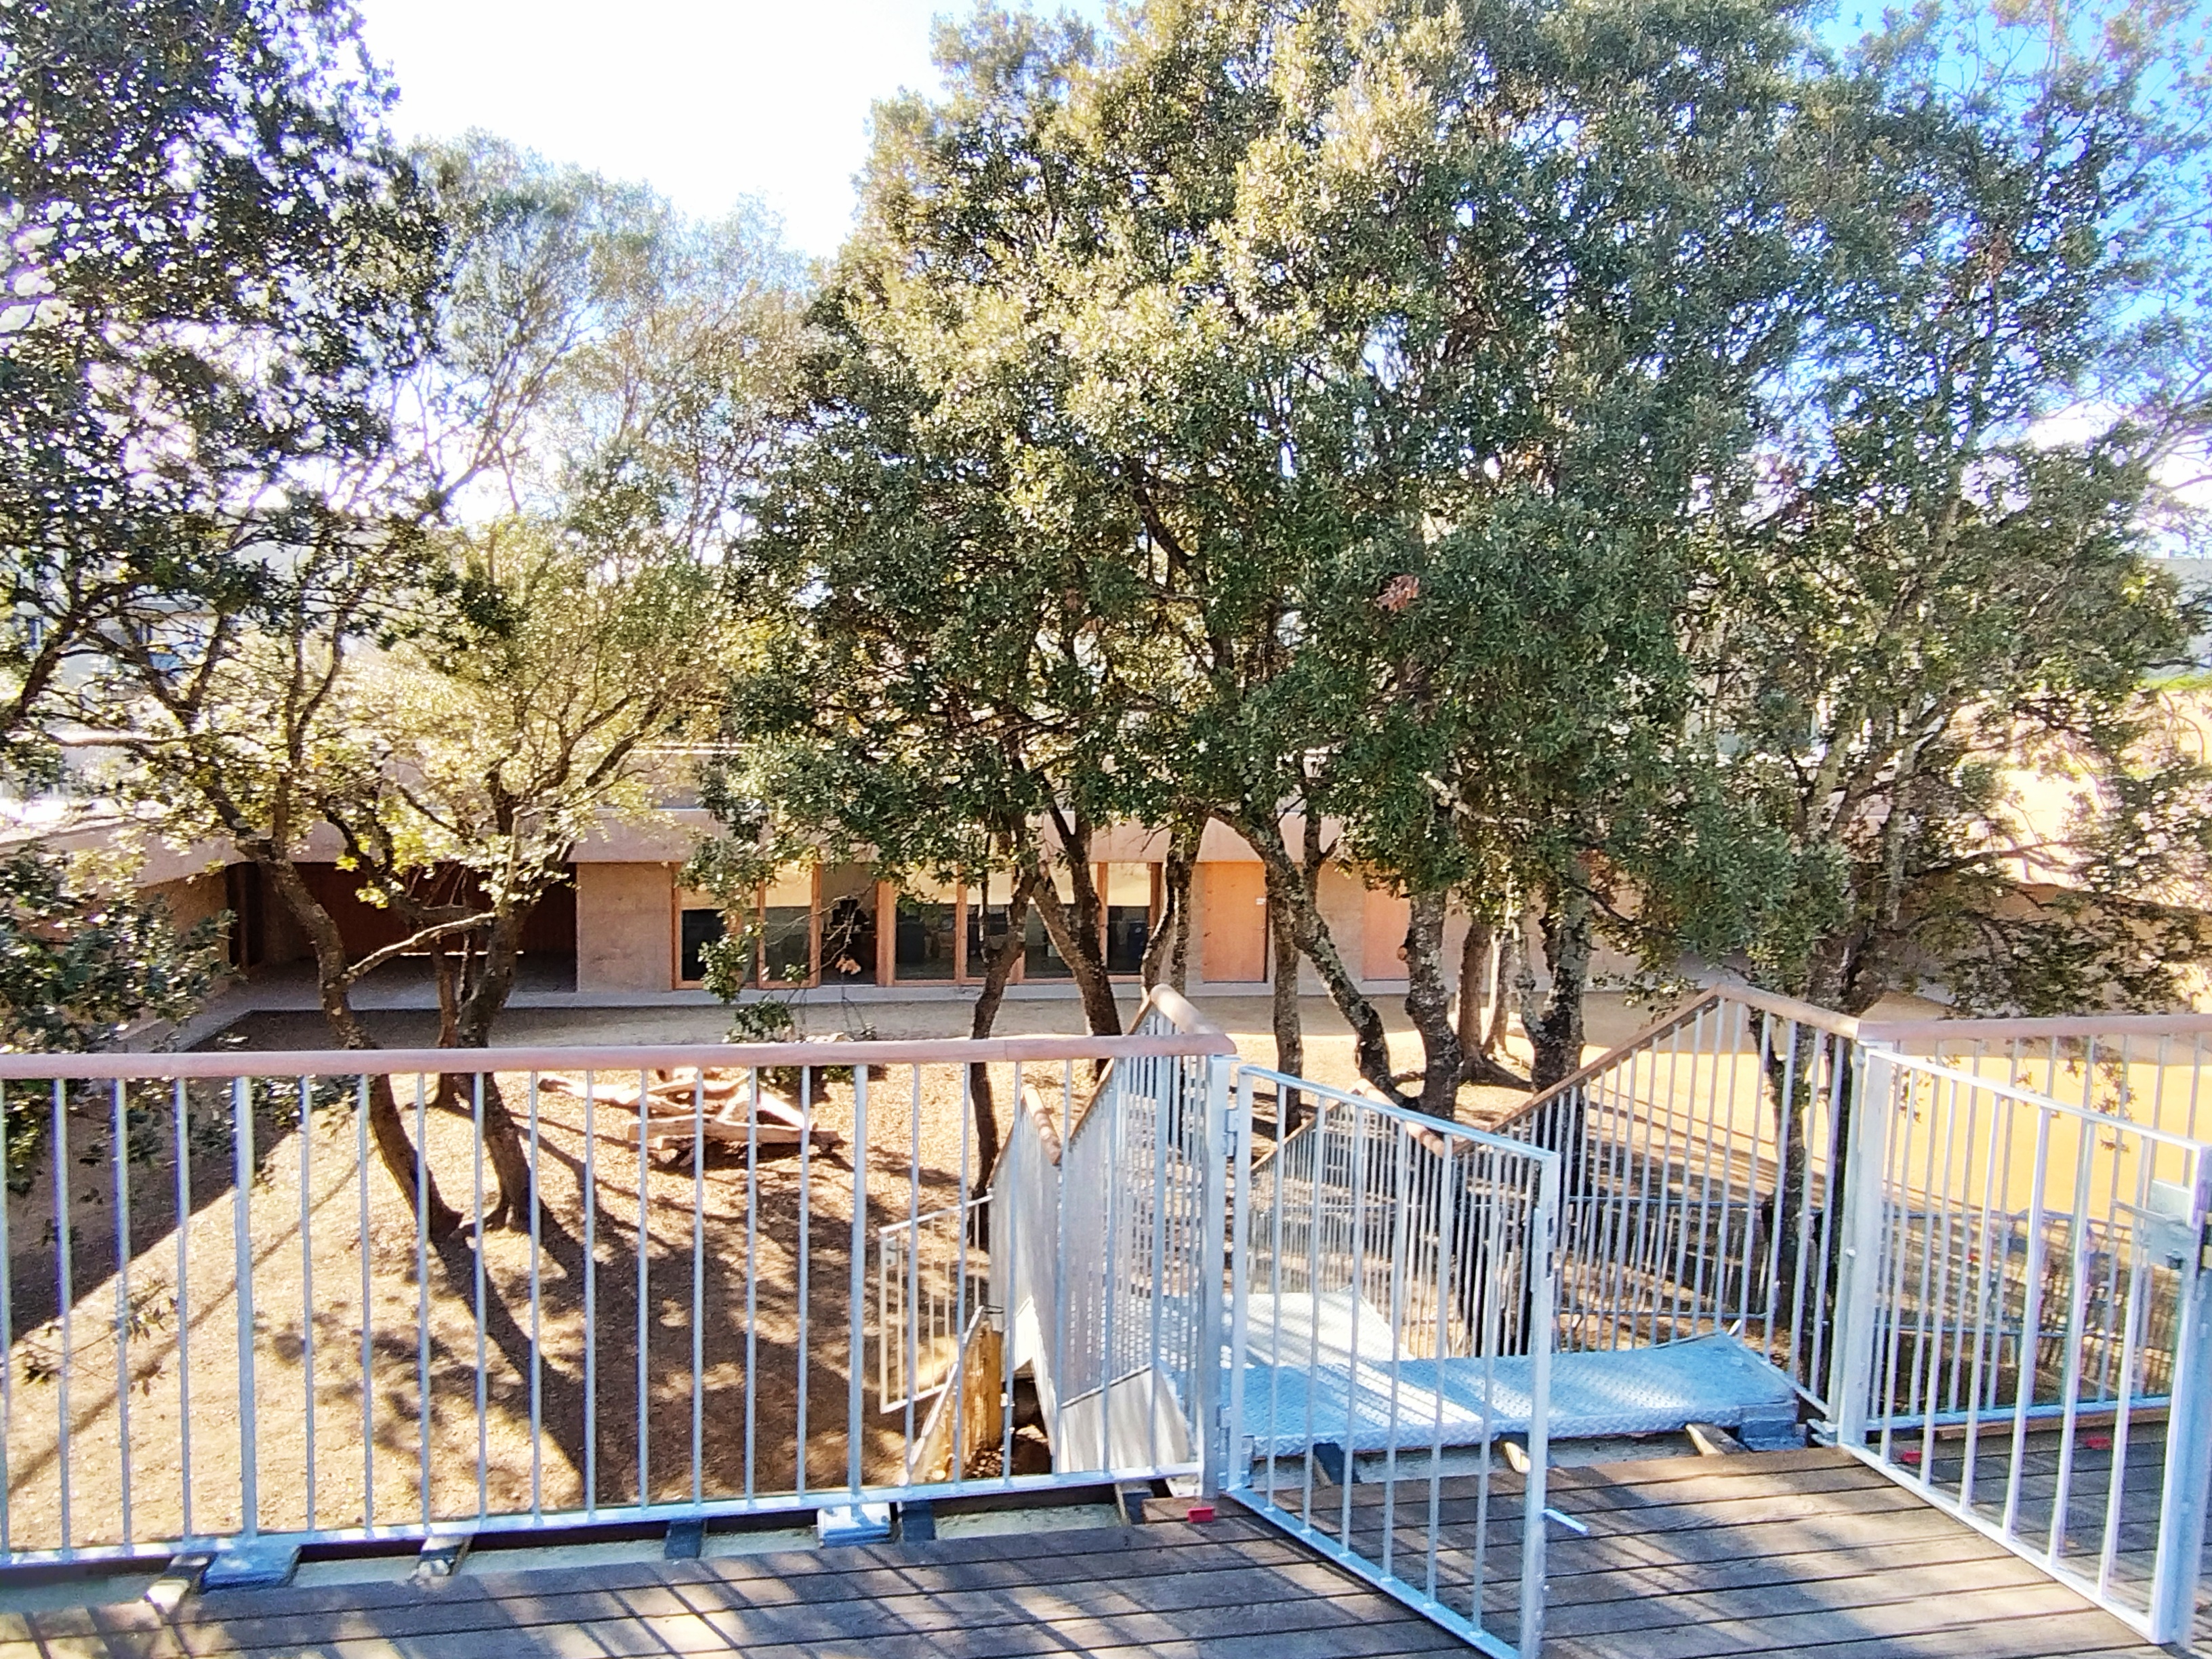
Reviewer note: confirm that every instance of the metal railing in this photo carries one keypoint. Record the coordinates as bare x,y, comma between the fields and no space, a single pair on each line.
633,1284
226,1315
1107,1228
1392,1310
928,1292
2034,1187
2026,1339
2148,1068
1698,1181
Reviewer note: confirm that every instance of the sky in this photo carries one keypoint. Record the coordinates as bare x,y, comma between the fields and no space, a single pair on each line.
707,100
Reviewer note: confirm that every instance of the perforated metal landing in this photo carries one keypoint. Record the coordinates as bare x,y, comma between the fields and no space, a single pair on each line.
1339,1377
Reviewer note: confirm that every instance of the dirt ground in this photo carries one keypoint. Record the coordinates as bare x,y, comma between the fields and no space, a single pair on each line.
748,1267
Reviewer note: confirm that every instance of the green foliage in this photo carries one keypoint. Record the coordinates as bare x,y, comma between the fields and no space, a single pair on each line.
213,258
79,965
462,703
1933,641
1589,455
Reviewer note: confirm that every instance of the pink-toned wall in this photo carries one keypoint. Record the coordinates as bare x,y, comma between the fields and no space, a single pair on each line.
625,914
1230,904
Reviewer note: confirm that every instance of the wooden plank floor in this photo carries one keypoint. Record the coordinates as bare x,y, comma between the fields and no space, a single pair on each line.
1800,1554
1805,1554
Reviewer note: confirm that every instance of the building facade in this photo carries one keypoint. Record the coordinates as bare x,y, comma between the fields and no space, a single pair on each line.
625,926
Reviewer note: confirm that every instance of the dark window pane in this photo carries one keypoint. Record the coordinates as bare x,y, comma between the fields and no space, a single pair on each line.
925,939
1128,896
986,924
700,929
1128,930
848,938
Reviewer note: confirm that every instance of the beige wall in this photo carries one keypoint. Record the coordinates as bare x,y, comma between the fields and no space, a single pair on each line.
626,935
1367,924
191,899
625,927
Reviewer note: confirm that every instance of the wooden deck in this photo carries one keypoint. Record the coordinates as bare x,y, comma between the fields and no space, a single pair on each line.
1801,1553
1805,1553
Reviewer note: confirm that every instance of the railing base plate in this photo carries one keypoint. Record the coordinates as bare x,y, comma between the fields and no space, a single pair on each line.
259,1565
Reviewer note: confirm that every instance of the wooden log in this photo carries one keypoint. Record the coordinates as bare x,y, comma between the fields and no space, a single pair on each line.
978,1409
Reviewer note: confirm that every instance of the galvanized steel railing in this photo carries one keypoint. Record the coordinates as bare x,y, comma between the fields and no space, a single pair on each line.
2149,1068
224,1319
2025,1340
1107,1225
1393,1290
928,1295
1976,1247
1698,1183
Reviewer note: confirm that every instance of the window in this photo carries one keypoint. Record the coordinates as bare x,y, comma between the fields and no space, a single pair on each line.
928,932
788,928
1128,890
945,930
849,925
1040,960
697,928
987,902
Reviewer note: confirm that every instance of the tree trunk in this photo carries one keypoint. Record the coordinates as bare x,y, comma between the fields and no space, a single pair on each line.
1283,964
998,969
1179,872
1791,1065
1476,979
480,1007
1428,1003
397,1150
1512,963
1168,953
1077,944
1482,984
1154,965
1556,1029
1290,886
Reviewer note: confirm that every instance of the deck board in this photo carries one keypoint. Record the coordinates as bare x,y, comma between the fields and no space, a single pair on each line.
1807,1553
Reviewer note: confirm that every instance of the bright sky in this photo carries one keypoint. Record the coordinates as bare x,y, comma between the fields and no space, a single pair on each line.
707,100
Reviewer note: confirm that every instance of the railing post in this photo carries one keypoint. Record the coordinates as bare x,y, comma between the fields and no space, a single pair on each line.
1858,1279
1239,1464
2188,1477
1221,1139
241,1220
1543,1248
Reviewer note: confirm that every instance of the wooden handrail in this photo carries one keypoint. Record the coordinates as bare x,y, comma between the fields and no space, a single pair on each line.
1179,1008
1031,1103
1176,1007
1605,1062
1805,1013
